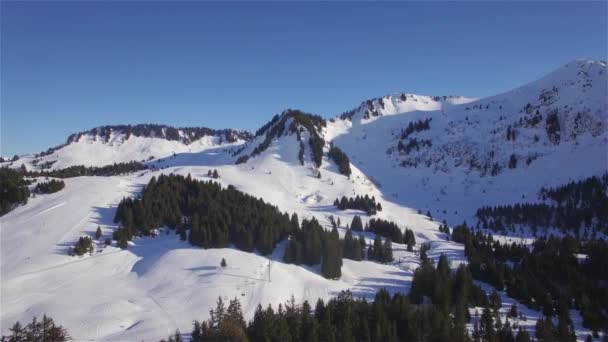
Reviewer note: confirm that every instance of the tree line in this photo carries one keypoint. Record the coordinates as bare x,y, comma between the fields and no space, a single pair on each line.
571,207
548,276
81,170
391,231
341,159
215,216
416,126
437,308
310,244
43,330
49,187
397,317
14,189
413,143
210,216
188,134
363,203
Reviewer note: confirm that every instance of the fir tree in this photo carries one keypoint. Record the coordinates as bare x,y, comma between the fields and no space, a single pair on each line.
356,224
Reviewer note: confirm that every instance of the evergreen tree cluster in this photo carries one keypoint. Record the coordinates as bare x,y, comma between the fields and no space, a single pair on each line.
417,126
14,190
267,125
552,127
571,207
364,203
356,224
386,318
391,231
213,174
353,248
84,245
546,330
379,251
343,318
413,143
511,133
49,187
316,148
189,134
446,290
44,330
81,170
407,144
548,277
311,245
242,159
341,159
215,216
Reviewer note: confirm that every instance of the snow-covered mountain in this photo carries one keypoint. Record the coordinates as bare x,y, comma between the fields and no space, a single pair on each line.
452,155
445,155
123,143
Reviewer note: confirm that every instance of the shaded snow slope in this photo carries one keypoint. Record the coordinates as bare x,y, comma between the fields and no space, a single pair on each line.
489,151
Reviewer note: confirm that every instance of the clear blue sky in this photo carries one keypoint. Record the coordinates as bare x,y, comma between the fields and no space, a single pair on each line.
71,66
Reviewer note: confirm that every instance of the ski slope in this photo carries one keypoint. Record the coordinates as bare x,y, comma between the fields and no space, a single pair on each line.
160,284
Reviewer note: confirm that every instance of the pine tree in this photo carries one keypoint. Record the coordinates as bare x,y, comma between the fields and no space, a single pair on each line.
356,224
223,263
332,256
387,251
98,232
295,223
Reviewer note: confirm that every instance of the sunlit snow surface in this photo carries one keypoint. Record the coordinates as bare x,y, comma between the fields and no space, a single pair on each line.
160,284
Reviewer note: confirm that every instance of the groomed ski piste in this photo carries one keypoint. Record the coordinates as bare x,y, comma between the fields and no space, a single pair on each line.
160,284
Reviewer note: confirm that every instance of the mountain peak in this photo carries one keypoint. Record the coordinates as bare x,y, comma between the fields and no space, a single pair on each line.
398,103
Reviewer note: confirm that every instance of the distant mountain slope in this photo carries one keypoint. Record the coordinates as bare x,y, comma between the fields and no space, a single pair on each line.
457,156
306,128
122,143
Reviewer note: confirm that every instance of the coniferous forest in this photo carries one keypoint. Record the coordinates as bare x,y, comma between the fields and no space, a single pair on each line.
311,245
436,309
214,217
364,203
548,277
341,159
14,190
80,170
397,317
37,330
210,216
569,208
49,187
391,231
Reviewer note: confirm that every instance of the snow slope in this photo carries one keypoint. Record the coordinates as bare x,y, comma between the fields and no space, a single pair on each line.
91,149
160,284
453,177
